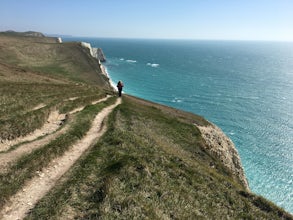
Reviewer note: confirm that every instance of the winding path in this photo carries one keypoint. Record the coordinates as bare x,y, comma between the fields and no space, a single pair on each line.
37,187
54,122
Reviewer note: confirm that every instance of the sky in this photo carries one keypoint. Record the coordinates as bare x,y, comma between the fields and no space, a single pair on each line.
168,19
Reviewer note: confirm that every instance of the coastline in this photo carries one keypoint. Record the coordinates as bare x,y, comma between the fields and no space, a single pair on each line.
98,54
220,145
105,72
202,161
255,187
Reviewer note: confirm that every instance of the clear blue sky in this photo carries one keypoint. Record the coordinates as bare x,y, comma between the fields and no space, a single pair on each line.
188,19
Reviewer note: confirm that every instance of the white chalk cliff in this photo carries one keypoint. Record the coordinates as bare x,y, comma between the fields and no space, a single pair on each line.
221,147
95,52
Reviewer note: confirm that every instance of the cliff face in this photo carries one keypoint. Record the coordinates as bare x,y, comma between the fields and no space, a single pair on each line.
95,52
99,54
221,147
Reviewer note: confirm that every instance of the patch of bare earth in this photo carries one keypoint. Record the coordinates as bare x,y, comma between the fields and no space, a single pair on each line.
11,156
37,187
54,122
93,103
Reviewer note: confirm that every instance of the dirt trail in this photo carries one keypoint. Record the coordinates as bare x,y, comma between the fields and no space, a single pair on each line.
54,122
37,187
93,103
11,156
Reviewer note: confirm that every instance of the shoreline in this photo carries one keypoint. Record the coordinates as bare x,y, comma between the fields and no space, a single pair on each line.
106,73
255,190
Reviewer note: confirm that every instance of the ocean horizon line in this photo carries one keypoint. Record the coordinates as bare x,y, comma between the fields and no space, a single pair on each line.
173,39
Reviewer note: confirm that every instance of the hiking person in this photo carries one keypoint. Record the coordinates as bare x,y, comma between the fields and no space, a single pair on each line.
120,86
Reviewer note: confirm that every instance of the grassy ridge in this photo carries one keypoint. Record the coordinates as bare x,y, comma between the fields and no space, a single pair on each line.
150,165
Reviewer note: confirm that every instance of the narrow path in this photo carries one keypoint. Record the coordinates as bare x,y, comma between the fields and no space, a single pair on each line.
10,156
39,106
54,122
93,103
37,187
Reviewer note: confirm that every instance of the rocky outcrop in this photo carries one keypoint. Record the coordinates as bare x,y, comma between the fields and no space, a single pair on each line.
100,55
95,52
221,147
88,46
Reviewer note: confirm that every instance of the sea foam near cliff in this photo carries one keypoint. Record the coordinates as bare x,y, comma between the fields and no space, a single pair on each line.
246,88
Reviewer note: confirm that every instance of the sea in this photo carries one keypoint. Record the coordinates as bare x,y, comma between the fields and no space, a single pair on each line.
244,87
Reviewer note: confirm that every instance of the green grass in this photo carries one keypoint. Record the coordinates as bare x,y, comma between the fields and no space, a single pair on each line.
68,60
80,101
53,69
37,71
150,165
18,100
26,167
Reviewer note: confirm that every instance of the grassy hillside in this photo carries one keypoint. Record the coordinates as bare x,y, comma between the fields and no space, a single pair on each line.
151,163
38,71
45,55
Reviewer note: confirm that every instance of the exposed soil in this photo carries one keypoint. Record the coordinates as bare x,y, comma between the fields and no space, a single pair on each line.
49,130
54,122
45,179
10,156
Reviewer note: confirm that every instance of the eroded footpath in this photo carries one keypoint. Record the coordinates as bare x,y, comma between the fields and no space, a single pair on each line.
54,122
37,187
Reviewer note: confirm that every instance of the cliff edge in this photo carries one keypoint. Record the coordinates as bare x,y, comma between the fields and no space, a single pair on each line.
95,52
220,146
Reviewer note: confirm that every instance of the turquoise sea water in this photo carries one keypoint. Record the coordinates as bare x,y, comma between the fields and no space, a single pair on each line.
246,88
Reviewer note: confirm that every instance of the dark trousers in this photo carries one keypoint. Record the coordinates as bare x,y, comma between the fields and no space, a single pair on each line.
120,92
